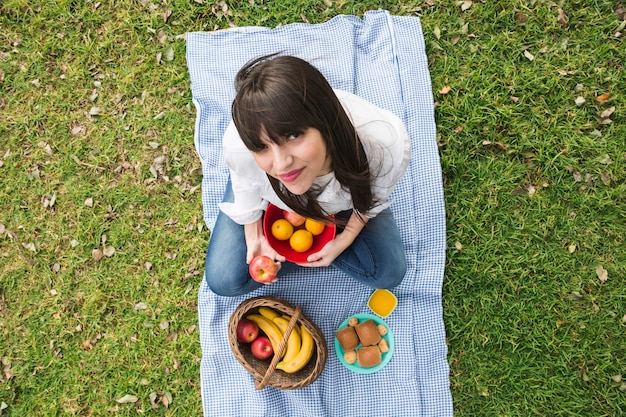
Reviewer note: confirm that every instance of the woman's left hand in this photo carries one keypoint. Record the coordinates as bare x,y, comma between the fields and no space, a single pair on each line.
341,242
328,254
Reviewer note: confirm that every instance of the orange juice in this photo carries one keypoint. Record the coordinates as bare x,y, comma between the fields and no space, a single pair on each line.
382,302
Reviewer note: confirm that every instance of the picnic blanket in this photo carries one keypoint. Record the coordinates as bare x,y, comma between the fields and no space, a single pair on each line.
381,58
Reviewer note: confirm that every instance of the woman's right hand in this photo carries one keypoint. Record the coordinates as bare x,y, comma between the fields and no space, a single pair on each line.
257,244
260,246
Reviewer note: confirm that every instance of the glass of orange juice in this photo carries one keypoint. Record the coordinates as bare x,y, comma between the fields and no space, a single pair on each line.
382,302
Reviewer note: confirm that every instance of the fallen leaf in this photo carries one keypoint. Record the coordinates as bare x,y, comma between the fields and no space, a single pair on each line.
620,12
77,129
603,274
94,111
166,15
607,113
458,245
141,306
166,399
49,200
437,32
97,254
575,296
528,55
571,248
602,98
580,100
465,5
605,159
168,54
445,90
89,202
562,18
127,399
108,251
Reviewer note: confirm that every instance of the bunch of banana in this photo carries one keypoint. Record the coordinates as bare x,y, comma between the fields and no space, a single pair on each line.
299,349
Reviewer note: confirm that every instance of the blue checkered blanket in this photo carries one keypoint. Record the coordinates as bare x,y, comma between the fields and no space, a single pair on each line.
381,58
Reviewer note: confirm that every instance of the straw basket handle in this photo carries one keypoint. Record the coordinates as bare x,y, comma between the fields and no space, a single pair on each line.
268,374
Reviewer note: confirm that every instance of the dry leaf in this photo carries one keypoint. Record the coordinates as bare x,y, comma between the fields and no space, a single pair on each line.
602,98
603,274
97,254
445,90
108,251
89,202
620,12
465,5
605,159
571,248
437,32
127,399
580,100
166,399
562,18
607,113
528,55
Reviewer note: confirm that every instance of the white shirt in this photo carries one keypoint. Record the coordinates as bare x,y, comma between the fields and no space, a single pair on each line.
385,141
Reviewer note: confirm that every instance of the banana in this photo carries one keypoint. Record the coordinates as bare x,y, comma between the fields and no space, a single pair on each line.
269,328
303,357
294,341
295,328
268,313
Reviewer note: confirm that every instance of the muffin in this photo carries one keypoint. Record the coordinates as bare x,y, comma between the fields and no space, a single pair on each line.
347,338
367,332
368,356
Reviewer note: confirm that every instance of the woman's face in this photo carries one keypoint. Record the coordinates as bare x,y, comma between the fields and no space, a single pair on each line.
297,161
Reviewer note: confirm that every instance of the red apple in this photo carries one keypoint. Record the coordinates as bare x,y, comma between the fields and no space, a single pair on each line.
294,218
247,331
261,348
263,269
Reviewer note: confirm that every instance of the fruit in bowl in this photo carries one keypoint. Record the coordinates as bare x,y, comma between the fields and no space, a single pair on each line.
308,236
294,218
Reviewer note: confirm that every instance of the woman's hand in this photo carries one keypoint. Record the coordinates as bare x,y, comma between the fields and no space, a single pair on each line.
257,244
341,242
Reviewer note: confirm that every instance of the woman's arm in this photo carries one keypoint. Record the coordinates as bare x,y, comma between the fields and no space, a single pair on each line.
341,242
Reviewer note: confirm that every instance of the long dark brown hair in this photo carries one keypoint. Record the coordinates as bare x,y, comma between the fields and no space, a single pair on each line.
284,95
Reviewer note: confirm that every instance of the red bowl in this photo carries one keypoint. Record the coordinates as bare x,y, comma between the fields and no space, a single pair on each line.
274,213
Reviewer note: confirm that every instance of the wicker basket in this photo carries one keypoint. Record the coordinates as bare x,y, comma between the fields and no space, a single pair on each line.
264,372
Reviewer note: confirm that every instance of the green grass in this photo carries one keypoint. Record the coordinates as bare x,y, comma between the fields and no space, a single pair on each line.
534,187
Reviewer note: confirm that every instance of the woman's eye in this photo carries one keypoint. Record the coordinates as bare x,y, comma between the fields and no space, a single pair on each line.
293,136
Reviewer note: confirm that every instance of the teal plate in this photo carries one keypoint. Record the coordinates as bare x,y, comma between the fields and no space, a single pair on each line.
386,356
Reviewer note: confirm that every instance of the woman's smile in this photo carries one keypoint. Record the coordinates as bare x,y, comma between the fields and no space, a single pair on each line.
290,176
297,161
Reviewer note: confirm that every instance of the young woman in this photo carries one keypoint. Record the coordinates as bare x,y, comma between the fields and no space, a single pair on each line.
299,144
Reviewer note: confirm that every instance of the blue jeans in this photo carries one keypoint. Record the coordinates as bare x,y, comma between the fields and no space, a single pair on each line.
376,258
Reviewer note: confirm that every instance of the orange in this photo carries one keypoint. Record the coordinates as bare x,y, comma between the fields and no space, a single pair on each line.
301,240
314,226
282,229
